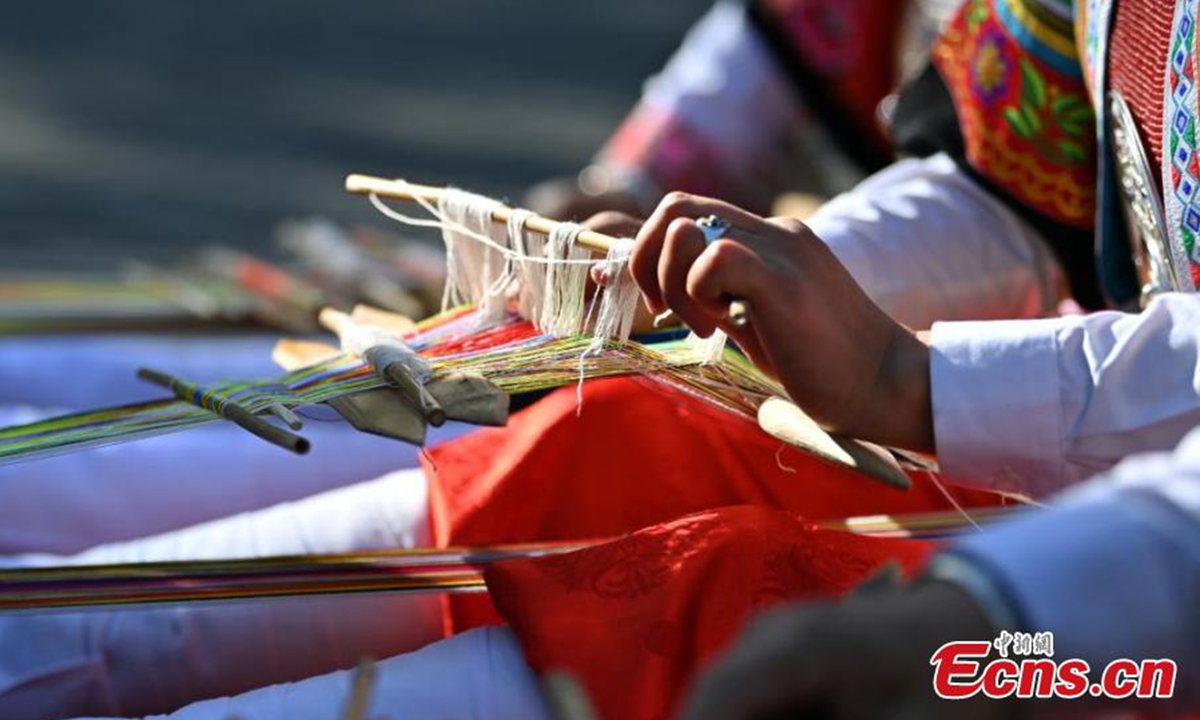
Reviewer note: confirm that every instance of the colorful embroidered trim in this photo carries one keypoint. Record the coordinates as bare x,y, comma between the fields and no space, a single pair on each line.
1092,25
1022,105
1181,174
1042,31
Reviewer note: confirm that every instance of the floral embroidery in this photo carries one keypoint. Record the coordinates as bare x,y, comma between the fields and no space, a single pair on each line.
1042,109
832,566
1023,108
1181,157
976,13
989,69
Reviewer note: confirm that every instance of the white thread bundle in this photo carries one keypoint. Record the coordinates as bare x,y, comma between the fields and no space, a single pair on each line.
531,280
358,337
485,260
476,272
618,300
563,300
708,350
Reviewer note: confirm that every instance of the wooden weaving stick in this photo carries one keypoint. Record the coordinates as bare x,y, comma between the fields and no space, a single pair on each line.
787,422
590,239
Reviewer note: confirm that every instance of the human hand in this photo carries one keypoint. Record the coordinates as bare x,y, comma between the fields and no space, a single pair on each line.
619,224
840,357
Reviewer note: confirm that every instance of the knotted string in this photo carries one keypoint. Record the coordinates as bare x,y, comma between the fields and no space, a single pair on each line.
471,266
441,222
531,284
618,299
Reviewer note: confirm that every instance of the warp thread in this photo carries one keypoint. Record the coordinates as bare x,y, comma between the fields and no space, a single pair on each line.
708,350
485,261
514,356
617,302
618,299
531,283
564,298
476,272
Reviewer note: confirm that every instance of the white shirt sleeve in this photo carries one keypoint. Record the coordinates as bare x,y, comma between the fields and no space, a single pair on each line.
478,674
1114,571
928,244
1037,405
112,660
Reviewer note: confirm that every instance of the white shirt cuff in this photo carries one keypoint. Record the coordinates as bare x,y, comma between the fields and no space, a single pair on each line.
996,404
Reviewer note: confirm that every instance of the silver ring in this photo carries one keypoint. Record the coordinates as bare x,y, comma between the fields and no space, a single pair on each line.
714,228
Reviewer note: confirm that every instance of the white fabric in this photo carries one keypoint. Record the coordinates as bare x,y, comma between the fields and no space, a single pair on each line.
1039,405
724,80
479,675
928,244
151,659
1114,571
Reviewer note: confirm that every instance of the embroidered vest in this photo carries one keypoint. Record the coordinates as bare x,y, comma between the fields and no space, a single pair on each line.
1087,115
1013,73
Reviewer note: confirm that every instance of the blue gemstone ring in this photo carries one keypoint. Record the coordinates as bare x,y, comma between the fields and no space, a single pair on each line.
714,228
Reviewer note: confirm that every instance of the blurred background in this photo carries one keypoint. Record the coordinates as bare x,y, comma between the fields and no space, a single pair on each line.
137,129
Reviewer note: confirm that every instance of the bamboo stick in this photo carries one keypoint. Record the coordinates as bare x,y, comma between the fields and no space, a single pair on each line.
590,239
368,185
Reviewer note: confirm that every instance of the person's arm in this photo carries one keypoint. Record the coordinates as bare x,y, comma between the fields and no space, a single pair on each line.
717,119
1026,406
870,376
1112,573
1038,405
928,243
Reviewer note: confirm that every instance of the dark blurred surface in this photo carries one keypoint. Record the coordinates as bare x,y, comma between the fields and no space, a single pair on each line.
143,129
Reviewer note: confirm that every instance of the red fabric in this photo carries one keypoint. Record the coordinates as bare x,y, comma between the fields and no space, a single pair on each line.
852,48
1137,49
635,456
634,619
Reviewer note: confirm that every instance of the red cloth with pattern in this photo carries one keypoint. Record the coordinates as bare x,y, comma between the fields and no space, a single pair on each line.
636,618
636,455
1137,52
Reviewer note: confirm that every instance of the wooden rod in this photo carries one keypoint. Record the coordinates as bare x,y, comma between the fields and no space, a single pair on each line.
230,410
599,242
367,185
